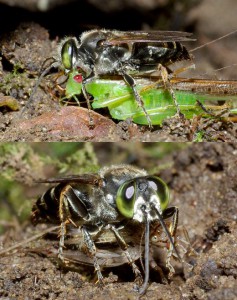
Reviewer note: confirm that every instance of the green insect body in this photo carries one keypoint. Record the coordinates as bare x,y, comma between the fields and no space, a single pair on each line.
118,98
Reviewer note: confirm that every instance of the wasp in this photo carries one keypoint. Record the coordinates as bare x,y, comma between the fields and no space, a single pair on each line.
100,53
120,201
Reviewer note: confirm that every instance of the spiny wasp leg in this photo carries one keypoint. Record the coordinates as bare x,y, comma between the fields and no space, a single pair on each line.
91,248
123,245
131,82
66,193
174,213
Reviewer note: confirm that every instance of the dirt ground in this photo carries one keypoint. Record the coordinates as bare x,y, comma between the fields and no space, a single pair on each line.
202,180
31,38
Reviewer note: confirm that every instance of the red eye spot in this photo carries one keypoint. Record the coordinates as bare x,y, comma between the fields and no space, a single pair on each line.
78,78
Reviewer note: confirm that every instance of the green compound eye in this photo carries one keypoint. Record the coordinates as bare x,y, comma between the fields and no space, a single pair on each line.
161,189
69,54
125,199
129,191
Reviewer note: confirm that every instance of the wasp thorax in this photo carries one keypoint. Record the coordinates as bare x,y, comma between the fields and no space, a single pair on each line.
69,54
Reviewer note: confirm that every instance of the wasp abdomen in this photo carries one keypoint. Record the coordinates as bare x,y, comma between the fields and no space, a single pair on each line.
59,204
150,54
46,207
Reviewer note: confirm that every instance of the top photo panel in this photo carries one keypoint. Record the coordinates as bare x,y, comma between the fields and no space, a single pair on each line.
110,71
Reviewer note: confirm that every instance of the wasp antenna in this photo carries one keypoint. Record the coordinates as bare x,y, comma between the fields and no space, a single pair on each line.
168,234
143,288
140,249
30,100
211,42
216,70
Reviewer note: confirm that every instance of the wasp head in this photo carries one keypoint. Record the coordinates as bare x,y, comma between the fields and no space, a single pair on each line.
72,57
143,196
144,199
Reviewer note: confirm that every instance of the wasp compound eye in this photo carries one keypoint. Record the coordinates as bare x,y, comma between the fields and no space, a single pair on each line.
69,54
161,189
125,199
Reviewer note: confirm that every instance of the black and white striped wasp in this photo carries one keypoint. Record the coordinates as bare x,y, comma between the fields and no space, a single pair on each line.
128,54
122,200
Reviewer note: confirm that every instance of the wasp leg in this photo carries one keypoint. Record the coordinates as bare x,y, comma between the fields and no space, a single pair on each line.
131,82
63,215
165,77
68,200
61,241
123,245
174,213
91,251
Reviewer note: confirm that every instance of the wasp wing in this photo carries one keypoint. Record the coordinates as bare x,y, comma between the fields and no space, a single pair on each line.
121,37
93,179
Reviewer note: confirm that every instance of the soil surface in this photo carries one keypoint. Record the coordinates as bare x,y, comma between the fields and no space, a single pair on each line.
202,180
32,38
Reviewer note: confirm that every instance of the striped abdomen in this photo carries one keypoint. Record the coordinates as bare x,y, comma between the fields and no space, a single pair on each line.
46,208
148,55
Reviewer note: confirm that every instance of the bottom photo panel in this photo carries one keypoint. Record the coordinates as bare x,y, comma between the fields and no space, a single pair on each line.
118,220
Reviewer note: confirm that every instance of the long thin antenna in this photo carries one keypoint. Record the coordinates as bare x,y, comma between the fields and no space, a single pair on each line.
213,41
217,70
143,288
140,249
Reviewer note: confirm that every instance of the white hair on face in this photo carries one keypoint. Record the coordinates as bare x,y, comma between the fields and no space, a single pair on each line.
138,213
